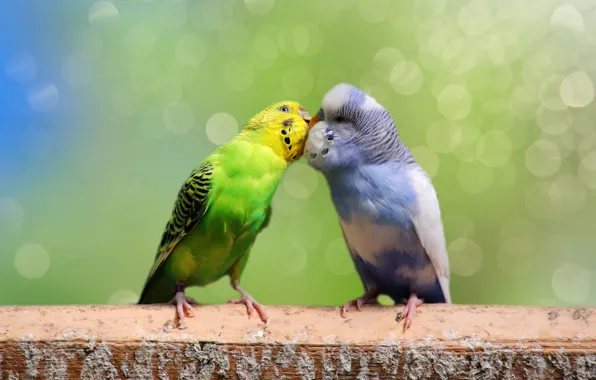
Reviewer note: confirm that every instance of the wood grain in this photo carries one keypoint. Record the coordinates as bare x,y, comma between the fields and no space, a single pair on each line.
445,342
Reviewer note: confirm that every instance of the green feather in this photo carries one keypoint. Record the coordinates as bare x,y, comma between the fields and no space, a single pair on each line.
220,210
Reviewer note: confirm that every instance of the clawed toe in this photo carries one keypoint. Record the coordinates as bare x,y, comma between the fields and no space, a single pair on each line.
250,303
183,307
348,305
188,309
409,311
252,306
367,299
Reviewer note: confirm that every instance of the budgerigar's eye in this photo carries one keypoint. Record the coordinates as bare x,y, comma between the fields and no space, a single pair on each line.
321,114
340,119
285,109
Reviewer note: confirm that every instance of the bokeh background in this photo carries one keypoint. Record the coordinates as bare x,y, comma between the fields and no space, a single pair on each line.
106,106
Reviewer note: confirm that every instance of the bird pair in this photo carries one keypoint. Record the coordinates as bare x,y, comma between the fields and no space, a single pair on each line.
387,206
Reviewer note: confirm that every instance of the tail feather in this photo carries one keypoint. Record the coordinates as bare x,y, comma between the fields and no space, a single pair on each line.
159,289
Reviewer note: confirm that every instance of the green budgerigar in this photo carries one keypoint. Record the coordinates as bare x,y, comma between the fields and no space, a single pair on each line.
222,207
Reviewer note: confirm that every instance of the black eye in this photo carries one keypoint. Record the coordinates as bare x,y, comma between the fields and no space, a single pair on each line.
284,109
340,119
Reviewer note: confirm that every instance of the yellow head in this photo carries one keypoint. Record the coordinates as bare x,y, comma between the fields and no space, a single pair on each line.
283,127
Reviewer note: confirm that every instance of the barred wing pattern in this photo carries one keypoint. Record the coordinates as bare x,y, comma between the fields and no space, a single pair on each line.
189,208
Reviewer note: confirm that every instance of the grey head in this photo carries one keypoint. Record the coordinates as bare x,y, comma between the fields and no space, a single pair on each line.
354,129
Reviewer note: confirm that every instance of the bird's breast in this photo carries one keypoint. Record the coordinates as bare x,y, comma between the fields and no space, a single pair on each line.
378,193
244,197
366,238
371,240
392,256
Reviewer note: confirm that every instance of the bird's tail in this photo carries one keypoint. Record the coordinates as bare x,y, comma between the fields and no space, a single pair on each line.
158,289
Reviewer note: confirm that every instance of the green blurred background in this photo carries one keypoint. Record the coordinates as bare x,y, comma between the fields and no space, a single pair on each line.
108,105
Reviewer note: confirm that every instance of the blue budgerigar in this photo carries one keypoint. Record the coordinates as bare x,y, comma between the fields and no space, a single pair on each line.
387,206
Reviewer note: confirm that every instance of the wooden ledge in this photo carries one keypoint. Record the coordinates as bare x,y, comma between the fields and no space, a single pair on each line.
445,342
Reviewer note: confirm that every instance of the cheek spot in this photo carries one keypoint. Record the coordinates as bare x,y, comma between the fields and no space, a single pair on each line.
284,132
324,152
288,142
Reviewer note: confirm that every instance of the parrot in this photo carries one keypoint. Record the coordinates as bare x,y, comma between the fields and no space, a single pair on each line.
386,204
221,208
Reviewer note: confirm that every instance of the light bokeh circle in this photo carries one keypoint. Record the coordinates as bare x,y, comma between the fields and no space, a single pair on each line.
465,257
300,181
190,49
443,136
337,258
21,67
123,297
475,177
454,102
427,158
577,90
543,158
43,97
32,261
103,12
221,127
572,283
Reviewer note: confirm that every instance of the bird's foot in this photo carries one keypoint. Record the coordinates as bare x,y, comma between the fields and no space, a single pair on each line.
183,306
408,314
251,305
369,298
189,300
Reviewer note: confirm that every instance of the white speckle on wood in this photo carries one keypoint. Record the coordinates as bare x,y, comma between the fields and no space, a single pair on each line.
388,358
451,334
32,354
585,367
286,356
306,366
98,364
329,370
345,360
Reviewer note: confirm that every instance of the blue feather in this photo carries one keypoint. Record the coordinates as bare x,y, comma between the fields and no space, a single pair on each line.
375,204
356,98
382,275
380,191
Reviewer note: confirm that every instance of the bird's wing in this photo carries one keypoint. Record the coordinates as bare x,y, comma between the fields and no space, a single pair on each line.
429,227
267,219
189,208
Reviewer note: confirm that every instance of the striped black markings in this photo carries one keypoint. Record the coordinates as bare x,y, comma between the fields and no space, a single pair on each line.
190,205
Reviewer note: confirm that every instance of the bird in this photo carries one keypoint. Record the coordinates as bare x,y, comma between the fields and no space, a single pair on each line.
222,207
387,206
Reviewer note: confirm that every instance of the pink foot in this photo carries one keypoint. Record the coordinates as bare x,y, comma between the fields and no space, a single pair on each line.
409,311
183,305
369,298
251,305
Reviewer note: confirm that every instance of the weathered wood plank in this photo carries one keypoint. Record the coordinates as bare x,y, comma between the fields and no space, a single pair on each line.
445,342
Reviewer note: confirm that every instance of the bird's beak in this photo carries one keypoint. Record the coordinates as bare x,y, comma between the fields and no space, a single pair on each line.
314,120
305,115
